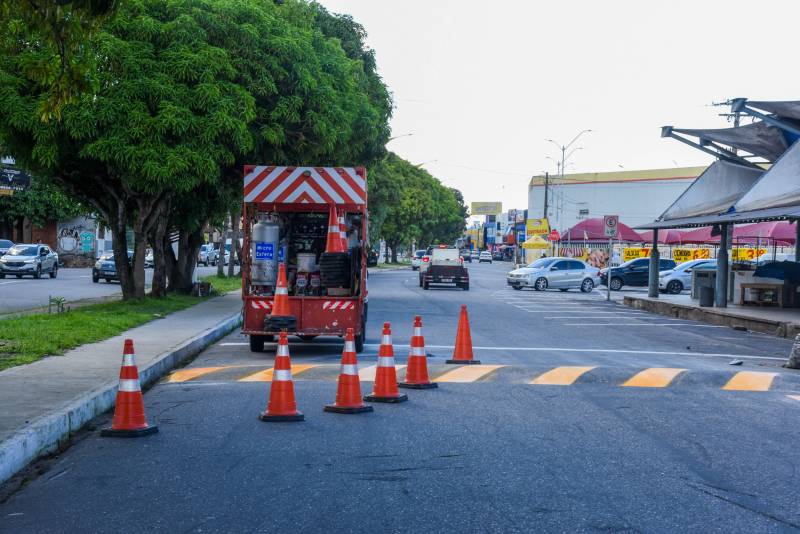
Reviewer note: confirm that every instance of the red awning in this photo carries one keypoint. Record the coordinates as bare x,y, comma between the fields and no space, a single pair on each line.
592,230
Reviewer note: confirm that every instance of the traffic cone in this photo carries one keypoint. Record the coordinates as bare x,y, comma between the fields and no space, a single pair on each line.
281,318
385,388
129,420
334,245
343,232
462,352
417,370
282,406
348,392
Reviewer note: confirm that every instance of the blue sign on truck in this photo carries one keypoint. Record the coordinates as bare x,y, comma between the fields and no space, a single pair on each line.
265,251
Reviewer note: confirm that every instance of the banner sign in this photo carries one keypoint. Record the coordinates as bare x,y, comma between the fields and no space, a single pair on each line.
747,254
681,255
486,208
12,179
635,252
537,226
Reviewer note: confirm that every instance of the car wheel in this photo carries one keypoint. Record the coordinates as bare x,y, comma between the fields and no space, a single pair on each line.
563,289
19,276
38,273
2,276
616,284
674,287
541,284
108,280
587,286
95,279
518,288
54,272
256,343
425,286
465,287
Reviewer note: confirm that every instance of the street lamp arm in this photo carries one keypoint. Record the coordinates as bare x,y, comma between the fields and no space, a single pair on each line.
576,138
555,143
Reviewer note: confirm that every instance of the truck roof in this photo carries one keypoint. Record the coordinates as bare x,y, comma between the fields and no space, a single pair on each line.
274,184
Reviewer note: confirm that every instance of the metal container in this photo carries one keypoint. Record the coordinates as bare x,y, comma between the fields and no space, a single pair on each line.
264,252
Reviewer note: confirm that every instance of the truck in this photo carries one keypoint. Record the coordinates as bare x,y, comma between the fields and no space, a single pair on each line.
444,266
286,217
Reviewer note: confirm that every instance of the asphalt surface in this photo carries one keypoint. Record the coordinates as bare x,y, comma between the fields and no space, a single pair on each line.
495,453
72,284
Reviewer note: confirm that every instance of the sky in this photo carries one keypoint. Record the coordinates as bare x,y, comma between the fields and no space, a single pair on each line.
482,85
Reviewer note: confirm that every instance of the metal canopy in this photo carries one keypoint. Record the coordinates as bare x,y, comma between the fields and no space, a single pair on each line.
780,186
758,138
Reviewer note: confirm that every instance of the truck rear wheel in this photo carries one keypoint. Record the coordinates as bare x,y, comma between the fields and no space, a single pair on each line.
256,343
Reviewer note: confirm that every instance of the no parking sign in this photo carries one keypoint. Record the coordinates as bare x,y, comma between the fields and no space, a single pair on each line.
610,224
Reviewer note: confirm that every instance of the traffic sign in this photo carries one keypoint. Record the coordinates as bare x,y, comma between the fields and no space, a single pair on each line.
554,236
610,224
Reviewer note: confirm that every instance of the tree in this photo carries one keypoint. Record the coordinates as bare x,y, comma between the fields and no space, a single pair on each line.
40,203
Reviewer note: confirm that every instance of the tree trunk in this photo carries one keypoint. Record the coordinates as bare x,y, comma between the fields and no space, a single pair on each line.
234,242
158,241
118,219
386,252
222,235
183,269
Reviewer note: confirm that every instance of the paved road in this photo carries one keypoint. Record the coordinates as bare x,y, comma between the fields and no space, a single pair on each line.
488,451
72,284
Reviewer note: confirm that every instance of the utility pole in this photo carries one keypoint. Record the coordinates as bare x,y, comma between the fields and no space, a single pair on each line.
546,191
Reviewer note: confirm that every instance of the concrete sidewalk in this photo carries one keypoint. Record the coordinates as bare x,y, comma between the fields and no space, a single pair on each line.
43,402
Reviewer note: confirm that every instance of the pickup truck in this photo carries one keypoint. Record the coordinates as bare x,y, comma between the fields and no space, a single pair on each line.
445,267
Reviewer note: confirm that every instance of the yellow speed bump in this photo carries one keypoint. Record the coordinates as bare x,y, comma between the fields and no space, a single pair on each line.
367,374
191,373
467,373
654,377
561,376
266,374
750,381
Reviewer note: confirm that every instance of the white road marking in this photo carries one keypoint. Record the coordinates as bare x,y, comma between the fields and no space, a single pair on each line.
645,324
609,317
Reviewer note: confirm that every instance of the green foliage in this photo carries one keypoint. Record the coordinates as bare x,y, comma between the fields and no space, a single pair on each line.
223,284
40,203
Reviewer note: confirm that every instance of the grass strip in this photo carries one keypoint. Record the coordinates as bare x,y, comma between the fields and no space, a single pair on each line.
26,339
223,284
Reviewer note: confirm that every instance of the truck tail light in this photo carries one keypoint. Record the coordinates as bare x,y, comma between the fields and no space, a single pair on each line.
425,258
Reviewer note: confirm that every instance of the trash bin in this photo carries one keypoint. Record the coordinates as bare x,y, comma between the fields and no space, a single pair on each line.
706,297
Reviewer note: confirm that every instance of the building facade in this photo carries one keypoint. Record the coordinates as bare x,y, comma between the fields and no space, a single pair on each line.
638,197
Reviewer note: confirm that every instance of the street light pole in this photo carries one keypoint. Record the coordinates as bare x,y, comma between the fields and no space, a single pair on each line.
563,148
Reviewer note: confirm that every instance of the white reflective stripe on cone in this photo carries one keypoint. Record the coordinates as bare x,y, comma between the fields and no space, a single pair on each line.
281,375
386,361
417,331
333,229
281,291
128,360
349,346
349,369
417,351
283,350
386,339
129,384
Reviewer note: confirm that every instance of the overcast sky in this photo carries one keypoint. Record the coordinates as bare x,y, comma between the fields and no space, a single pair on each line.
481,84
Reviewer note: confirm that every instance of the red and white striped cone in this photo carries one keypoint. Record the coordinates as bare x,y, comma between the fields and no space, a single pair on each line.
343,232
280,317
417,370
282,406
462,352
129,420
385,388
334,243
348,392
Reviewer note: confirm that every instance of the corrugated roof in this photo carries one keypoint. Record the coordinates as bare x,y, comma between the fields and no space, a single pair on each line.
674,173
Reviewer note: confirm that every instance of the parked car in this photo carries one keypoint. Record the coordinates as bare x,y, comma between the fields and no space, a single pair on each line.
676,280
485,256
149,260
475,254
416,259
497,255
633,272
105,267
466,255
5,245
207,255
29,260
556,273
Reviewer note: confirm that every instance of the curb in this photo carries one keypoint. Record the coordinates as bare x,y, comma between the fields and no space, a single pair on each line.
47,433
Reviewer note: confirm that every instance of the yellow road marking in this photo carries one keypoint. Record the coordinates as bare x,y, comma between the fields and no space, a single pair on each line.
794,397
367,374
655,377
188,374
750,381
561,376
266,374
467,373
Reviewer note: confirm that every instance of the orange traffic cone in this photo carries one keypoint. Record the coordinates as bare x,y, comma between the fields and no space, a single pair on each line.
385,389
417,370
343,232
282,406
335,242
129,420
462,352
281,318
348,393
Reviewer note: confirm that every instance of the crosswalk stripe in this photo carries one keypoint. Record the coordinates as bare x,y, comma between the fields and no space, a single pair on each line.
750,381
655,377
184,375
561,376
467,373
266,374
367,374
794,397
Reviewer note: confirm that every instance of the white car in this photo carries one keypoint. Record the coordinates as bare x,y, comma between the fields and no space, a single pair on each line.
556,273
485,256
676,280
416,259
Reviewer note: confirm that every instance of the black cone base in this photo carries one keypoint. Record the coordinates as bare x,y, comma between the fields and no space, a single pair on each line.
139,432
376,398
266,417
465,362
347,409
429,385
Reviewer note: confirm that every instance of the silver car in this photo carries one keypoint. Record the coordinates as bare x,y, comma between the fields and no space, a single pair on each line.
676,280
556,273
29,260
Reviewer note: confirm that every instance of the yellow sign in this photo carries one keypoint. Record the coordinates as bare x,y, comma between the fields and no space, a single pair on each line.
537,226
6,192
633,253
681,255
747,254
486,208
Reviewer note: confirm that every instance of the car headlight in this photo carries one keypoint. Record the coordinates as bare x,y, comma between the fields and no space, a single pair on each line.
3,260
97,265
30,261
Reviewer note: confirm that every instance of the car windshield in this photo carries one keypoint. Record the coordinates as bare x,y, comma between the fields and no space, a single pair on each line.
419,253
5,243
541,263
22,250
